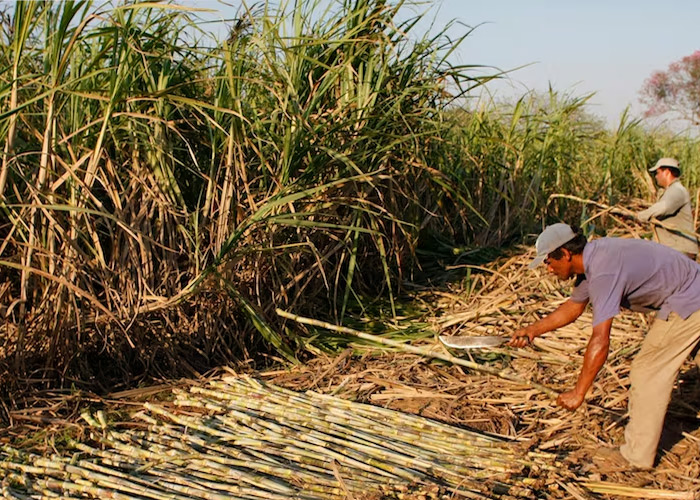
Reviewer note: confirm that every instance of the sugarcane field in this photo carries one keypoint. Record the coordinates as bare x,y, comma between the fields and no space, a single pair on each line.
305,250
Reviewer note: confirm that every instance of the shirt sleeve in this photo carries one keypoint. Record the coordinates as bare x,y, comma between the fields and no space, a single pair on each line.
606,293
671,201
580,292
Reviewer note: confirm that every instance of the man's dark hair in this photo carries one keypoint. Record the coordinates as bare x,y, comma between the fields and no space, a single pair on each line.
575,245
675,172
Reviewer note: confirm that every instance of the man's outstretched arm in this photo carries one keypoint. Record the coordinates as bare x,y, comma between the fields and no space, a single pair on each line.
561,316
671,201
594,359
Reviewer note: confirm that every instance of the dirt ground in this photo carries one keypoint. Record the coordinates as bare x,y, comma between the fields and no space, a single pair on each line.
448,394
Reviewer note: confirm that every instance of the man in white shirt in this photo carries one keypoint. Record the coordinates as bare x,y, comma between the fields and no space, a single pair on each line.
673,209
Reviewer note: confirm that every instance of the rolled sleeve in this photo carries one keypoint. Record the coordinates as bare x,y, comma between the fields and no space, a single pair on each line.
580,292
606,295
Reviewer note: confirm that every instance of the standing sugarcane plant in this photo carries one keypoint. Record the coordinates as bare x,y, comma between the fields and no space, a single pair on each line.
152,172
163,192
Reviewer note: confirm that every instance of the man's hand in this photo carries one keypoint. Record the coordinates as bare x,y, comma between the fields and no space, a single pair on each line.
522,337
570,400
644,216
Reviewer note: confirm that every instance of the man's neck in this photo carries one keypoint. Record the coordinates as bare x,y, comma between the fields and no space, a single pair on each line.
577,263
673,179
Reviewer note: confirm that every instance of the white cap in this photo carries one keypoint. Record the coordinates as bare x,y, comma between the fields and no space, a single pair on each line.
550,239
665,162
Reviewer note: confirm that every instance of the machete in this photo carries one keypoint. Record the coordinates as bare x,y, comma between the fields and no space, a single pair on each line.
466,342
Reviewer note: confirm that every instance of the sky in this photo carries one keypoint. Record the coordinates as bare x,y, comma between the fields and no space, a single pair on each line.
609,47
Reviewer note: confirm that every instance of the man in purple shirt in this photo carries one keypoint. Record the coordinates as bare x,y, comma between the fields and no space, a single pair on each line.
612,273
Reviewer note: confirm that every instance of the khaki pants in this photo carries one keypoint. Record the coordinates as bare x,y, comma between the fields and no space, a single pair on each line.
652,375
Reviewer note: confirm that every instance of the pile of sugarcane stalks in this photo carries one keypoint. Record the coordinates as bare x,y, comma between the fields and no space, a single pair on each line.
237,437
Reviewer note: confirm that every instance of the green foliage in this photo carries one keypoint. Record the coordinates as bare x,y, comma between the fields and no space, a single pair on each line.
150,170
510,158
162,194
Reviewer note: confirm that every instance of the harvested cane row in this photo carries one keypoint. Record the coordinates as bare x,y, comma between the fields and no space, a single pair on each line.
238,437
